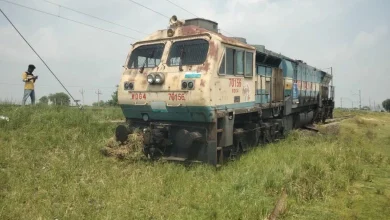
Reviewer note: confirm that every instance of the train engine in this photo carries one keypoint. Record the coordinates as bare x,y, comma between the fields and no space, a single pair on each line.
198,95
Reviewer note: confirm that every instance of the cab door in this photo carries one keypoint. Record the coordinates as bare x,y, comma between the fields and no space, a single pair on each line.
258,86
277,85
263,84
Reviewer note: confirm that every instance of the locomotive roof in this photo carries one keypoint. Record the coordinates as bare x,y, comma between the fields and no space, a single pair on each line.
190,31
273,58
260,50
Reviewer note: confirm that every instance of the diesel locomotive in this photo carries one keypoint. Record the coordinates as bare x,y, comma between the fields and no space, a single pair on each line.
200,96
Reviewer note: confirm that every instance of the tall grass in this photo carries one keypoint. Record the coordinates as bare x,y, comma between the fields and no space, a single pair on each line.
51,167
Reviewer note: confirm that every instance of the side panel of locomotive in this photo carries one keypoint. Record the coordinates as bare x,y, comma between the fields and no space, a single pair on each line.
233,80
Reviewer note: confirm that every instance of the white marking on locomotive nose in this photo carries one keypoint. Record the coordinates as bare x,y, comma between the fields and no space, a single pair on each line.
190,75
159,106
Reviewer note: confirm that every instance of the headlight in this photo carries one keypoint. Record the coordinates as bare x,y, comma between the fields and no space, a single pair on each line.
187,84
184,85
151,79
126,85
190,85
159,78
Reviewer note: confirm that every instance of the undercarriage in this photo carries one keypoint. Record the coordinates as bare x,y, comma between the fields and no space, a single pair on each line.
229,135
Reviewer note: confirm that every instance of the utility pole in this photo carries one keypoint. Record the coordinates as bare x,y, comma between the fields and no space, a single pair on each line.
360,100
98,93
332,90
331,73
369,102
341,100
82,94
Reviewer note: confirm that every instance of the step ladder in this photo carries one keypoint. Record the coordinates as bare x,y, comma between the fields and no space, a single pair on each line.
220,133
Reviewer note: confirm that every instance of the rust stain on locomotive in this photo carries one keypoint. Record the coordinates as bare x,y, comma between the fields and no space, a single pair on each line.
190,30
202,82
213,51
175,79
205,67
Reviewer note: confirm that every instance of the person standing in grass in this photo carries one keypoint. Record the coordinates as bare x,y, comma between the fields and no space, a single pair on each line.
29,80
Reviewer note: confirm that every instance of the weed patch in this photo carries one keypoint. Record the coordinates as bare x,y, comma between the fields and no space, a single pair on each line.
130,150
51,166
330,129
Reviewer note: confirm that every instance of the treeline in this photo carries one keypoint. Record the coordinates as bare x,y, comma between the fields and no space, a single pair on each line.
386,105
63,99
112,102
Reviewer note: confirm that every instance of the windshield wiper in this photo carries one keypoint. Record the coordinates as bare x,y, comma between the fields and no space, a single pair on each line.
151,55
182,52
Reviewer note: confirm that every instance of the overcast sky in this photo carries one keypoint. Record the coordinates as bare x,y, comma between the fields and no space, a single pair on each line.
352,36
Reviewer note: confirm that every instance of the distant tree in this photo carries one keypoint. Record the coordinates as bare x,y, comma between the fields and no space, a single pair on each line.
366,108
114,98
386,105
60,99
44,100
101,103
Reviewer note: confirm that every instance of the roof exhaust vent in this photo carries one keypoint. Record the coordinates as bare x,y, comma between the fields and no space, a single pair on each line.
203,23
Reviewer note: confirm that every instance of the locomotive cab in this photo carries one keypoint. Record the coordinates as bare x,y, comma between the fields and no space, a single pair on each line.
165,90
167,77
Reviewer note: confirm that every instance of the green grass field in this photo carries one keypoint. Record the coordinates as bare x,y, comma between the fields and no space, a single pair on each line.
51,168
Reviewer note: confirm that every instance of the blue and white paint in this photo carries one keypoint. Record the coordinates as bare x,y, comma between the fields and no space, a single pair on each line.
192,75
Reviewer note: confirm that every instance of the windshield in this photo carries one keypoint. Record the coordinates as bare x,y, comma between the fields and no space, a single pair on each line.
147,56
189,52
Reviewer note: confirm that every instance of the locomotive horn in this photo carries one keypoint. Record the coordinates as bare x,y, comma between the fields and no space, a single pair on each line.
173,19
174,22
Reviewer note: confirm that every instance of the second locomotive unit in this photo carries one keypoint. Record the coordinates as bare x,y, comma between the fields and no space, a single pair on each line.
198,95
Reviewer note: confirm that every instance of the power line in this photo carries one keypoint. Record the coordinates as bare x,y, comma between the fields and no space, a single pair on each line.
149,9
181,8
36,53
92,16
192,13
58,16
226,32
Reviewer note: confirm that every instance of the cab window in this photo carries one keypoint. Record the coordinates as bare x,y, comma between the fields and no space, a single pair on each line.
237,62
222,67
229,61
188,52
239,59
148,56
248,64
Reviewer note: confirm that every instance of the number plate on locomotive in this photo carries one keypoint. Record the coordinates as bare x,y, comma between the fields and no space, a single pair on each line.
138,96
176,96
